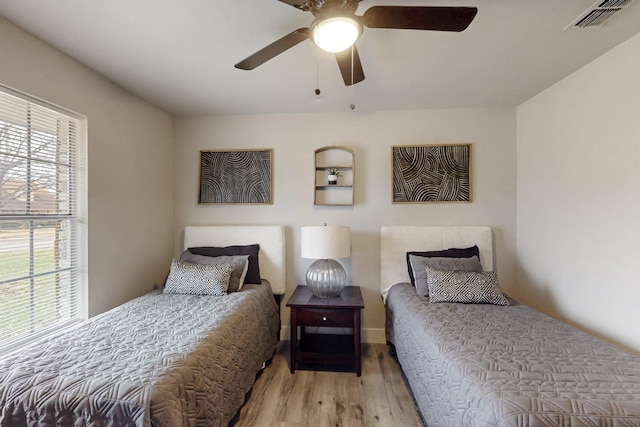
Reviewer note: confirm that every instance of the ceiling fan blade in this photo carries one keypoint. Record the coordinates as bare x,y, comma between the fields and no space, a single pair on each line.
420,17
274,49
344,62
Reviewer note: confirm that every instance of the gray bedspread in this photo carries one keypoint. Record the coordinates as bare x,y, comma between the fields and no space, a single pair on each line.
477,365
161,360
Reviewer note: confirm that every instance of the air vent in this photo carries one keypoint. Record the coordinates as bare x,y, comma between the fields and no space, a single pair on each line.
601,12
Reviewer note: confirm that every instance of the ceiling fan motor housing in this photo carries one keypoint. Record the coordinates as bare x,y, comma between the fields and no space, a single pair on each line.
329,8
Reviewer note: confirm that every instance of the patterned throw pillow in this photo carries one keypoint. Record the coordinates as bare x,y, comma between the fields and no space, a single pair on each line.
240,265
419,266
197,279
465,287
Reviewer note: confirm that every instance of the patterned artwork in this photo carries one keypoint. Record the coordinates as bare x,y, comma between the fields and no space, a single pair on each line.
235,176
431,173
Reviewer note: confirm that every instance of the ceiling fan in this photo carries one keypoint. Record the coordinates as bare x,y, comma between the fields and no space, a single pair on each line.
342,13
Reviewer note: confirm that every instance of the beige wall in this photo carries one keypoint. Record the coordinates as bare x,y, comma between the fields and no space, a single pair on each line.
577,183
130,166
579,197
294,138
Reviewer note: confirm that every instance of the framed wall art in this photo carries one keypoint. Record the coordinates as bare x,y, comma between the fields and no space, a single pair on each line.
431,173
235,176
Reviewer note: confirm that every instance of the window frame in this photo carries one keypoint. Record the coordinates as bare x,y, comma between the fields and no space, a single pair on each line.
76,218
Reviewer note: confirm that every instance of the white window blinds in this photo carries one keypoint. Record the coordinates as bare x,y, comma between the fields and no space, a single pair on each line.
42,218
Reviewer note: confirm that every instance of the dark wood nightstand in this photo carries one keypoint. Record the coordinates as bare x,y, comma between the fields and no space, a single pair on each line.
342,311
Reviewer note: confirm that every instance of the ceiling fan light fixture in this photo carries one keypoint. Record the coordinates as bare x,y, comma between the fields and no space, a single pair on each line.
335,34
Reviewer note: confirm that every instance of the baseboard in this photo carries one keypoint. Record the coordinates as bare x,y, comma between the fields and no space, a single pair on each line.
374,336
369,335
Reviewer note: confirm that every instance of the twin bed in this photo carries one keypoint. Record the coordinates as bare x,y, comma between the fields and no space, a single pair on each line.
161,359
179,359
478,365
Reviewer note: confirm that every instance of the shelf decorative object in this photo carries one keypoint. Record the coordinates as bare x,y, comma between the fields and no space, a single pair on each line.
332,163
332,176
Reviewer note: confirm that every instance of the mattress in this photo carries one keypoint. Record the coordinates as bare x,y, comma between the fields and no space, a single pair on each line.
161,360
478,365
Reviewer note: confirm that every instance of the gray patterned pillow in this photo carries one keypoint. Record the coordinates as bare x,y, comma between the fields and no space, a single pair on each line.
419,266
197,279
240,265
465,286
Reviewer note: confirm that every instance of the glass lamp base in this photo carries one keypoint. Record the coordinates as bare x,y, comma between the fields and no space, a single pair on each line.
326,278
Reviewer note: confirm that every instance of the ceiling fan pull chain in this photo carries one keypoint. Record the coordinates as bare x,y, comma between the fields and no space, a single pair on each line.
317,91
352,106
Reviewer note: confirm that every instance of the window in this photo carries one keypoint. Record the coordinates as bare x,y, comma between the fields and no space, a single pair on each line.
42,218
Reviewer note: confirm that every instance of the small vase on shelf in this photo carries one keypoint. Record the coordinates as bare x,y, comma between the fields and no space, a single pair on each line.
332,176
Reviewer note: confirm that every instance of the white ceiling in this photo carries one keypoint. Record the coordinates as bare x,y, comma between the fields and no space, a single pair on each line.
179,54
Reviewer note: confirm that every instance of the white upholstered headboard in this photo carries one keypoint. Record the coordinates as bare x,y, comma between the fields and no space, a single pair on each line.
271,238
396,241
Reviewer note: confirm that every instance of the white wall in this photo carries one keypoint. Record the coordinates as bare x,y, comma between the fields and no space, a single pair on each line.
579,197
294,138
130,166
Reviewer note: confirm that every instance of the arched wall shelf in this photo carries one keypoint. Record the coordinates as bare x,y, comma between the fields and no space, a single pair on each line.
341,193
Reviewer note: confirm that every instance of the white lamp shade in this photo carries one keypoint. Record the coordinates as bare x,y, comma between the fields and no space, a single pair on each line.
335,34
325,242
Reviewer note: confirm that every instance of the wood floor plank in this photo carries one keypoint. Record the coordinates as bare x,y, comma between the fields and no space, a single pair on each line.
330,399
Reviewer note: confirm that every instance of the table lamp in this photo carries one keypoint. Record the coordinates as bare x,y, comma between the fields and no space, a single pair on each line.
325,277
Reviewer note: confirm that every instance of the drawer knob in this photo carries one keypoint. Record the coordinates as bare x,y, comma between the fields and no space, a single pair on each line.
324,318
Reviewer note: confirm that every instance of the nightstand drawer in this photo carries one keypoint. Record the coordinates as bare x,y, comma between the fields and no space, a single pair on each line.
331,318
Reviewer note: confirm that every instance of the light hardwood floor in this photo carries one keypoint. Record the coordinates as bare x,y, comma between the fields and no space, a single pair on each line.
331,399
